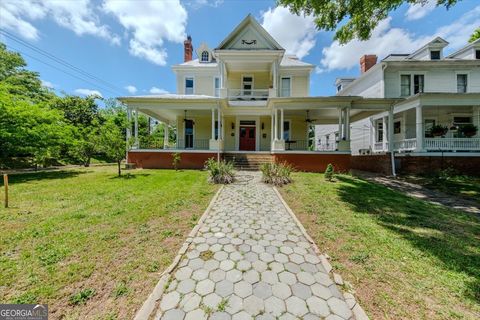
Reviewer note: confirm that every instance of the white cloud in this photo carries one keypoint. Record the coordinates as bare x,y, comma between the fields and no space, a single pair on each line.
88,92
419,10
386,39
47,84
131,89
155,90
200,3
78,16
295,33
149,24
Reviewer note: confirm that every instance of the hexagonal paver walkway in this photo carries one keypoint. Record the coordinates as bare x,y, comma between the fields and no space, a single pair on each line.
250,260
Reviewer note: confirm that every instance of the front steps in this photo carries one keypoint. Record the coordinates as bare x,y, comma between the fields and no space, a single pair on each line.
248,161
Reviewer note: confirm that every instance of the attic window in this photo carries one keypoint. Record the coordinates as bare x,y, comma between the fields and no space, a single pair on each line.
435,55
204,56
477,54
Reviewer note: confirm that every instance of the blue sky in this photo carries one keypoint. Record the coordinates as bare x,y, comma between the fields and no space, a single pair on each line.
132,44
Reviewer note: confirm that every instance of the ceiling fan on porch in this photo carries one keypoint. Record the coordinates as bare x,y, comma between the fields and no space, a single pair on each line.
185,117
307,119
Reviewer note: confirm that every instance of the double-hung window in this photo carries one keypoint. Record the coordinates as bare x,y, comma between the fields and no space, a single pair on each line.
285,86
217,86
418,83
462,83
189,85
405,85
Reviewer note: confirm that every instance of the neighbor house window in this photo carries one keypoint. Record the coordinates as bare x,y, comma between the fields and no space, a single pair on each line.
285,87
379,131
461,83
189,85
286,130
216,129
217,86
477,54
418,83
405,85
435,55
339,88
205,56
397,127
247,84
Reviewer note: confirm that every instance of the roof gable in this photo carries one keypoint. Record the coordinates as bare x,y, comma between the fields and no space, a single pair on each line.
438,44
249,35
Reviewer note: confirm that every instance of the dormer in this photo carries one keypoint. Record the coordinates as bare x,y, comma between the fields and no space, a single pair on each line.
469,52
431,51
342,83
205,55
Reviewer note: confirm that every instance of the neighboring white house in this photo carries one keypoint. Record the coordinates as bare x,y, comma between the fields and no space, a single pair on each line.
435,89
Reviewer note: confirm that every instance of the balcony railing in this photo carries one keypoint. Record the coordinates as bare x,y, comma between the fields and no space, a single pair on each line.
405,145
247,95
452,144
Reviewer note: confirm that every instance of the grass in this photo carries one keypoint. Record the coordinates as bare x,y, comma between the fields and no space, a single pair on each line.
406,258
466,187
91,244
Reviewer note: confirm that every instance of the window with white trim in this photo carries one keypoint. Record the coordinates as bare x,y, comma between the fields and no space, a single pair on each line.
462,83
405,85
189,85
379,131
285,87
435,55
205,56
217,86
418,83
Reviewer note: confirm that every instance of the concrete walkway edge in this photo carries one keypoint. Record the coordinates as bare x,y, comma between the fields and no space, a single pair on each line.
149,305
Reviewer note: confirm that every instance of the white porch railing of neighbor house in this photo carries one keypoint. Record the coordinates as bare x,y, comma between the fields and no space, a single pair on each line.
452,144
405,145
247,95
331,146
378,147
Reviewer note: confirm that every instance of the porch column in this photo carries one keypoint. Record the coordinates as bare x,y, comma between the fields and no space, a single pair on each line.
340,121
219,125
347,123
384,133
223,127
390,130
129,127
476,118
213,124
165,135
419,128
281,124
372,134
276,124
271,130
136,129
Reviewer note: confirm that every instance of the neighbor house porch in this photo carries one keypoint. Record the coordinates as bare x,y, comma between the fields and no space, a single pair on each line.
429,123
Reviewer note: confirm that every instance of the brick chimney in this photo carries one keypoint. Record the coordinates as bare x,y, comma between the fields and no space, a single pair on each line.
187,49
367,61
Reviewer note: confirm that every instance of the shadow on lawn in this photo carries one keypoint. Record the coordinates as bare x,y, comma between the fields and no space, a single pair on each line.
127,176
43,175
451,236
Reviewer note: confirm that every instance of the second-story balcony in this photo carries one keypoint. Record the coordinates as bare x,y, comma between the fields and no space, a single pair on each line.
248,94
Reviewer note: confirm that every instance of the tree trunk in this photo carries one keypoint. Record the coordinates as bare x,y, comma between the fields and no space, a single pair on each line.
119,168
87,162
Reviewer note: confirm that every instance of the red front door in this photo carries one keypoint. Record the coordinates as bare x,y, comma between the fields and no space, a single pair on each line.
247,138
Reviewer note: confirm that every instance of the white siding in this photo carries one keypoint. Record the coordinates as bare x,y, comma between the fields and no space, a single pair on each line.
370,85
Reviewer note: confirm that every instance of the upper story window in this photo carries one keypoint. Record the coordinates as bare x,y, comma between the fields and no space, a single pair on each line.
285,87
339,88
435,55
217,86
205,56
477,54
462,83
189,85
418,83
405,85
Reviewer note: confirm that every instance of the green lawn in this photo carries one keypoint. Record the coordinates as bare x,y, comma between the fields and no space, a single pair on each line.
466,187
91,244
406,258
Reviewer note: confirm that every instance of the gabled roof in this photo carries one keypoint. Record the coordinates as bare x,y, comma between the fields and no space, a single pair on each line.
475,43
293,61
249,26
438,42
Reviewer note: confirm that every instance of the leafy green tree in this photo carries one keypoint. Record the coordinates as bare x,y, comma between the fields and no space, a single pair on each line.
112,143
356,18
30,130
18,80
80,112
475,35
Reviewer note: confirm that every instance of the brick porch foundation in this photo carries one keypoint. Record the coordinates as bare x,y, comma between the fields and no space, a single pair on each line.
164,160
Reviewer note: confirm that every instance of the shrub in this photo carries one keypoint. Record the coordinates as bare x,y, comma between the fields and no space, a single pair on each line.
468,130
220,171
329,172
82,296
277,174
176,160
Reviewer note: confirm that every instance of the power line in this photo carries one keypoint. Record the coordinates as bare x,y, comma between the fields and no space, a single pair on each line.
61,70
60,61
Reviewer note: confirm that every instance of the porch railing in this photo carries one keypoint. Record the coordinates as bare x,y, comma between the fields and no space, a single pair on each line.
378,147
247,95
452,144
405,145
198,144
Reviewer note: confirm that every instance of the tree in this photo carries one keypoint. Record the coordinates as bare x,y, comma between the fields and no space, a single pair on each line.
475,35
329,172
112,143
360,17
80,112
